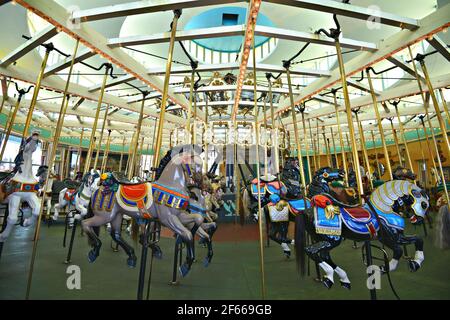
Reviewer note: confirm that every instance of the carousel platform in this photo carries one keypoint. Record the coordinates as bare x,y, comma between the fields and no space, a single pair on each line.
233,274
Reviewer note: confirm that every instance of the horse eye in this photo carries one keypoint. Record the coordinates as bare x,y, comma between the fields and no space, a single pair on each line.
424,205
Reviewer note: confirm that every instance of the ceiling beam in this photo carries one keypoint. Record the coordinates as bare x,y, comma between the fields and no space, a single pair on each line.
39,38
181,35
81,55
239,30
361,86
112,82
440,46
405,68
141,7
61,18
429,25
352,11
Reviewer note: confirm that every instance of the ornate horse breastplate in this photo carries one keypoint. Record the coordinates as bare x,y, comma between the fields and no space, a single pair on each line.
166,196
16,186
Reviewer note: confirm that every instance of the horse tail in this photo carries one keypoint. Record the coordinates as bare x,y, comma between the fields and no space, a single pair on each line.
90,214
134,230
300,241
245,204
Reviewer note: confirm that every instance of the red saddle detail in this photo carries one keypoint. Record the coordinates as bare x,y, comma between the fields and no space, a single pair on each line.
134,192
69,194
320,201
255,182
358,213
275,184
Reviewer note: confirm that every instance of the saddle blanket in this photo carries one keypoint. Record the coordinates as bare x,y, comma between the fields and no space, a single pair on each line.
278,216
325,225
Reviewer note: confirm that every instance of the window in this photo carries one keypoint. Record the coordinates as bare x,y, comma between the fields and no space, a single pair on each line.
229,19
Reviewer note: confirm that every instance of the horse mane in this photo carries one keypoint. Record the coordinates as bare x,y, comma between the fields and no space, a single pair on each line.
162,164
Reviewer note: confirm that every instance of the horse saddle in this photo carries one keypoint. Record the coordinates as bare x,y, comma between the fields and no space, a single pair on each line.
70,194
268,178
276,187
298,205
360,220
121,179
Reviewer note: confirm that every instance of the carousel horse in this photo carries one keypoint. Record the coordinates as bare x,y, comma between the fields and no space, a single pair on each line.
89,184
66,197
281,201
166,198
20,185
442,238
336,214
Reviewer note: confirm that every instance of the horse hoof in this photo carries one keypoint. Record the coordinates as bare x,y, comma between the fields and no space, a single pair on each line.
413,266
287,254
157,252
207,260
131,262
346,285
184,270
327,283
92,256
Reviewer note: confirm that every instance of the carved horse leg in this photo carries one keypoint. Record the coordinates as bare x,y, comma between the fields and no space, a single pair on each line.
390,238
93,239
174,223
60,205
116,235
319,252
415,263
13,211
35,205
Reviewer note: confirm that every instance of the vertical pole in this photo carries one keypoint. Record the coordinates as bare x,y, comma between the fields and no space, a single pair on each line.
341,138
77,163
5,96
87,163
305,138
136,141
380,126
376,153
49,48
294,120
405,142
318,143
334,147
274,125
327,150
10,125
99,149
397,146
363,148
349,118
51,160
189,133
105,155
121,155
157,148
313,146
444,104
261,246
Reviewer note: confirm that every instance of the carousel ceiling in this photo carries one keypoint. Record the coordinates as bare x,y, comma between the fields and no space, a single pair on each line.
134,36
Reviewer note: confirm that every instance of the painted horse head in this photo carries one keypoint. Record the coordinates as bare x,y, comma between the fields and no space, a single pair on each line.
291,178
178,166
402,173
23,160
324,179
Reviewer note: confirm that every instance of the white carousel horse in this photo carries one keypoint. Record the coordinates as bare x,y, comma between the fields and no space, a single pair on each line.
23,186
66,198
89,185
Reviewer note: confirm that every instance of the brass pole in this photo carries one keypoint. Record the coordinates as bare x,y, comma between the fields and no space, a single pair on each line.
157,149
397,146
51,160
425,103
405,142
77,163
363,147
376,154
87,163
106,153
313,146
121,155
62,153
136,142
194,124
349,117
334,147
205,162
327,150
430,150
444,104
436,106
133,137
294,120
261,246
49,48
274,125
380,126
305,138
189,132
341,138
266,171
318,143
99,149
423,155
441,171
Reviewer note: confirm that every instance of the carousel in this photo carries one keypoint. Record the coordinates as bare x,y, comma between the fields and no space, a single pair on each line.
224,149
